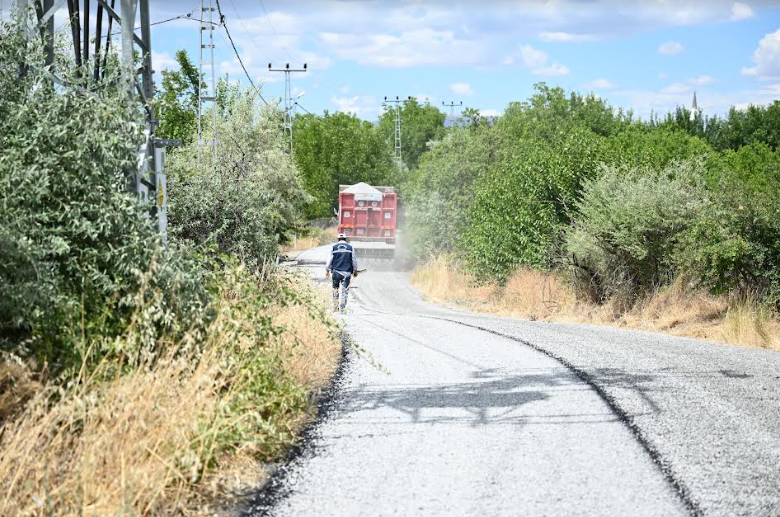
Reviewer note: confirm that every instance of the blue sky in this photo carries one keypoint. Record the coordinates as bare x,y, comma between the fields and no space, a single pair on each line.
645,55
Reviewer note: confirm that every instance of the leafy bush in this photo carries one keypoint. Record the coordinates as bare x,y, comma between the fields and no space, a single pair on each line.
631,223
525,200
246,200
736,246
73,242
440,196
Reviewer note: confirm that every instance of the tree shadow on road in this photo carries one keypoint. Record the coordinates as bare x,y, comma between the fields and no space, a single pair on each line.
503,399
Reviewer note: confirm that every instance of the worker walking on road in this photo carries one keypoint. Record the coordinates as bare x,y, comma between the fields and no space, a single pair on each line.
341,266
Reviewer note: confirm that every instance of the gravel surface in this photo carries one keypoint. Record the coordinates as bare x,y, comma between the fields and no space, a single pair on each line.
479,415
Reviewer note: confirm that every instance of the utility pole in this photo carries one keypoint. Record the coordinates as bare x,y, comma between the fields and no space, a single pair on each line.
289,102
148,181
452,107
397,102
207,90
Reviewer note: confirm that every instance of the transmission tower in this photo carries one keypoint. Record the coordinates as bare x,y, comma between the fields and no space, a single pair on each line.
289,102
148,181
397,102
207,91
452,107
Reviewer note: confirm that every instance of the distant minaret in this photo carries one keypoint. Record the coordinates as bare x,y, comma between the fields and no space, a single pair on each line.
694,107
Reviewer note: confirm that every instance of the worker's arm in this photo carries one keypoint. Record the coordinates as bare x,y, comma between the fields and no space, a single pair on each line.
354,263
329,264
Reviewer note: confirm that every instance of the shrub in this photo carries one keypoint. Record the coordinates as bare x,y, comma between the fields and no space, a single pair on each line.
73,241
736,245
246,200
631,223
438,200
525,200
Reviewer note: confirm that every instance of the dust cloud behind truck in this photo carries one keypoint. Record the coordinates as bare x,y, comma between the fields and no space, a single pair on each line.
368,216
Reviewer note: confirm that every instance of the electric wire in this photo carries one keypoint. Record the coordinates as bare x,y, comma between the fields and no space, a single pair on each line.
251,39
274,30
304,109
235,50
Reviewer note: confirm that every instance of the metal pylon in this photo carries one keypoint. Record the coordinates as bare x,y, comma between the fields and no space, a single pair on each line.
397,103
91,49
289,102
207,90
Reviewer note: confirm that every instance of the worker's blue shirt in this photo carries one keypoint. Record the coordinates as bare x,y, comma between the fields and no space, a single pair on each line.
342,258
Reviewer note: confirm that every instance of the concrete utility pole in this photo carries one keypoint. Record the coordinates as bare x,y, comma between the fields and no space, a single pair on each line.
207,89
397,109
289,102
148,181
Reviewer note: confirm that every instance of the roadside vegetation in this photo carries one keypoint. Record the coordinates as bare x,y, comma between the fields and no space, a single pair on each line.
137,379
568,208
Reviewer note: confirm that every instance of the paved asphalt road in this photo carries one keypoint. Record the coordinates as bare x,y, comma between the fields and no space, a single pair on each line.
480,415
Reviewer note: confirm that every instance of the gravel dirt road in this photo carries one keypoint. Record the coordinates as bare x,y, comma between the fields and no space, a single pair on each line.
480,415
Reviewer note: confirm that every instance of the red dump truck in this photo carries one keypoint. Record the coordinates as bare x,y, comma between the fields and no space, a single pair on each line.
367,216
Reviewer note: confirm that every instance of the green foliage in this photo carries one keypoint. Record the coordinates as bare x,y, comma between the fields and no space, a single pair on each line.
245,200
177,103
550,111
73,242
630,226
524,202
736,245
339,149
638,146
441,193
420,124
741,127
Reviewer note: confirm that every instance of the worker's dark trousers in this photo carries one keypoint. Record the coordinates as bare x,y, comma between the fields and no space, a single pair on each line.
340,279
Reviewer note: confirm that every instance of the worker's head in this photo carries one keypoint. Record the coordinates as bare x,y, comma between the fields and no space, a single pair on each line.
342,237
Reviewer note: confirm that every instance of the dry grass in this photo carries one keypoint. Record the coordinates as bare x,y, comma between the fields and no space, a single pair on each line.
161,439
316,237
537,295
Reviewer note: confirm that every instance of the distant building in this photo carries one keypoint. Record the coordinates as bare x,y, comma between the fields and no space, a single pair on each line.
694,107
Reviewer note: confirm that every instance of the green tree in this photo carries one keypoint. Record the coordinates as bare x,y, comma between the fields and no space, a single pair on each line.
339,149
420,124
248,198
177,102
440,195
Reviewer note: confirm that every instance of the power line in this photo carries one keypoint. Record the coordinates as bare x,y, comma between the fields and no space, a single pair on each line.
251,39
304,109
274,30
235,50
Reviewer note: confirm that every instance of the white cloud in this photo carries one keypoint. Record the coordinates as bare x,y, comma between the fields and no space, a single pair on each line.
670,48
462,88
740,11
702,80
421,47
689,85
566,37
766,57
163,61
537,61
675,88
344,89
599,84
490,113
662,76
362,106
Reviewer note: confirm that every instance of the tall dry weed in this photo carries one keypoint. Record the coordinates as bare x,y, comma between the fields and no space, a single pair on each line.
677,309
178,431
